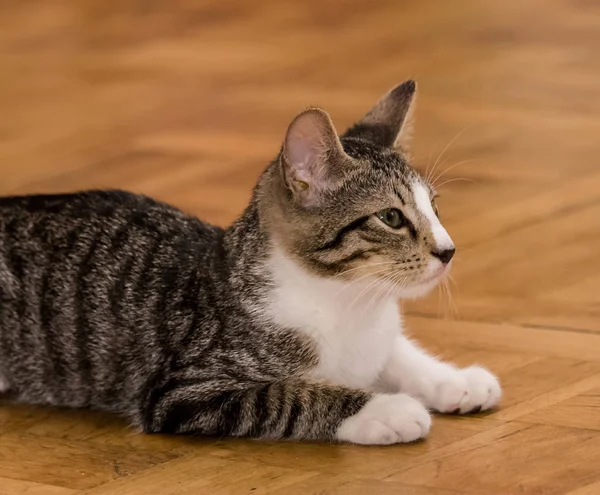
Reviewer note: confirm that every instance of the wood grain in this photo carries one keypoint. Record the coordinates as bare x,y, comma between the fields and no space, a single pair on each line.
188,101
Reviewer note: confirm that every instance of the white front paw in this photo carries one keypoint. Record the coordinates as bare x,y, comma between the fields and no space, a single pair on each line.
386,419
468,390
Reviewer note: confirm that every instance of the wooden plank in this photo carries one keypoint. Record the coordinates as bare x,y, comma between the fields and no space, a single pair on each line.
531,456
69,464
189,100
19,487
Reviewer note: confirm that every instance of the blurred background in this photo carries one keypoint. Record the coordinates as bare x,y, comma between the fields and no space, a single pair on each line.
188,101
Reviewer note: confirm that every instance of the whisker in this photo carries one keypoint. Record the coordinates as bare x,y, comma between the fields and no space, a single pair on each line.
429,159
401,282
454,307
441,174
451,306
397,281
445,295
380,291
430,179
362,267
367,275
446,148
363,291
444,291
453,281
454,179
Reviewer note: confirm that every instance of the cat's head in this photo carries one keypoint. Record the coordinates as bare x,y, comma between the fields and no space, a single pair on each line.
352,206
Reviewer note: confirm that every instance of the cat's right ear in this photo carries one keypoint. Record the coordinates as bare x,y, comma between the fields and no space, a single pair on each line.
312,153
389,122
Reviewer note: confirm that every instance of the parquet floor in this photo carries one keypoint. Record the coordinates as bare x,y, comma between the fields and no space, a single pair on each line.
187,100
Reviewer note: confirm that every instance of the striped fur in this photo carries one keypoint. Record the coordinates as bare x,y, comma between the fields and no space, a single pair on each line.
117,302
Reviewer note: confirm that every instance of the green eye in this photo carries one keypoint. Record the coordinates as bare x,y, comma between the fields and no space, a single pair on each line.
392,218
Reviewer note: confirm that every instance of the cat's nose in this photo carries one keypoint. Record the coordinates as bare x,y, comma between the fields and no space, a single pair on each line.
445,255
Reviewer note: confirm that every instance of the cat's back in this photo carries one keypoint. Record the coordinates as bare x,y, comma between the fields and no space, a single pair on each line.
92,285
108,205
53,221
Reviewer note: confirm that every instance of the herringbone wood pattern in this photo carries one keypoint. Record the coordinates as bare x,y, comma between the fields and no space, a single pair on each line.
188,100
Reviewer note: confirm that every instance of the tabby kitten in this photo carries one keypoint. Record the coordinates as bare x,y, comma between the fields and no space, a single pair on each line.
284,325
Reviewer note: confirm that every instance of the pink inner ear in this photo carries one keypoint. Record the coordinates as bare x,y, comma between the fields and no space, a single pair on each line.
306,150
302,156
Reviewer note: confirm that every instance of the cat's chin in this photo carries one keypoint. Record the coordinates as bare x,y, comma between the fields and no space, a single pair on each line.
417,291
421,289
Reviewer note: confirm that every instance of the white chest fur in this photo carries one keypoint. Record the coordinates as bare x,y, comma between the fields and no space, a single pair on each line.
354,330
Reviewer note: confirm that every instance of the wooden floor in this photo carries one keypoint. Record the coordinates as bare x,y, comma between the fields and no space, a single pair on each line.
187,100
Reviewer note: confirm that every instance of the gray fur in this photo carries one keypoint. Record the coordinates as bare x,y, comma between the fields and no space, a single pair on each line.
117,302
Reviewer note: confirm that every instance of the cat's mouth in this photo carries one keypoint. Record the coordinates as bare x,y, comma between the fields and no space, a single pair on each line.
433,278
438,274
422,286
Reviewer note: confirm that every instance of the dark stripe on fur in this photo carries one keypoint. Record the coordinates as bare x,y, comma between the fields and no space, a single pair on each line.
340,234
83,323
342,263
275,410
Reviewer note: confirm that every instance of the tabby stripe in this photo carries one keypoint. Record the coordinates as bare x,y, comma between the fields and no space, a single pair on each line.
145,270
274,410
190,303
339,237
55,376
156,387
356,255
405,182
82,322
411,229
14,263
117,293
364,235
231,420
399,195
183,412
116,253
118,239
167,296
262,406
293,416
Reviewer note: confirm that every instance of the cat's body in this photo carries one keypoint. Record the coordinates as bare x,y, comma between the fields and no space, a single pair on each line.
281,326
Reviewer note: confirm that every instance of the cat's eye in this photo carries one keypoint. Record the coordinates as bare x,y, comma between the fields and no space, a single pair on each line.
435,208
392,218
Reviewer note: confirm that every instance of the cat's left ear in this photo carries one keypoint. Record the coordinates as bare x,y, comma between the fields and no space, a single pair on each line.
389,122
313,159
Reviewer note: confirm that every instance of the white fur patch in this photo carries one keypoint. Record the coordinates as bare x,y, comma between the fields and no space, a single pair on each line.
472,388
353,328
358,333
386,419
423,202
438,385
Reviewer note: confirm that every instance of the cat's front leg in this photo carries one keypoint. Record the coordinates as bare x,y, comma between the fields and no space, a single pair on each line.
439,386
290,408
